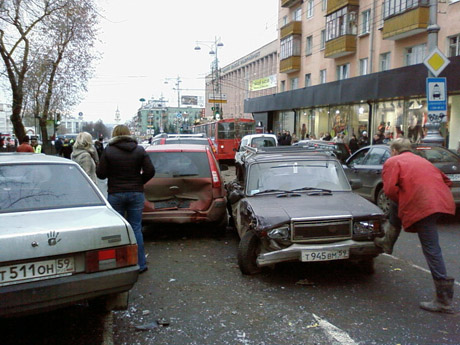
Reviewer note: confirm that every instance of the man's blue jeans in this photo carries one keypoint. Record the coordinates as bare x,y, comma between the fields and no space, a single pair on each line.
130,206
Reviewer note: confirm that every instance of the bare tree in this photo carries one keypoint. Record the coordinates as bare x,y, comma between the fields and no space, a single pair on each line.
56,38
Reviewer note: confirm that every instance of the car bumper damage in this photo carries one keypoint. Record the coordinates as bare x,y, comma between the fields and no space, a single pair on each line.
348,249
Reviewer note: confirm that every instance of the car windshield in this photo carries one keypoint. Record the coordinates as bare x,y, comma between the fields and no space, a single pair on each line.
180,164
26,187
294,175
437,154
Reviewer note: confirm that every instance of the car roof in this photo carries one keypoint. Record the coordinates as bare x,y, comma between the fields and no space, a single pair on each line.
177,148
27,158
259,135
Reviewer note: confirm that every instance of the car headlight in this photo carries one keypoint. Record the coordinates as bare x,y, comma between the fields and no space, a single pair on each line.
283,233
366,227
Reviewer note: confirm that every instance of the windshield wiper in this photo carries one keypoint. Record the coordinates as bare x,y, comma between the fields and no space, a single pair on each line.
272,191
313,189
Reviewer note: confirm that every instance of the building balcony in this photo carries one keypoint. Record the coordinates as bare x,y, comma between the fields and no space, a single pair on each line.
289,65
334,5
293,28
340,46
290,3
406,24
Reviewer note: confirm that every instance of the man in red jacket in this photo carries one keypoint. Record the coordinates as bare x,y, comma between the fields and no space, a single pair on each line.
422,193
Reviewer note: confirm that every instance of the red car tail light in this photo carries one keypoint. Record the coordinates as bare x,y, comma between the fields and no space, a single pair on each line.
216,182
105,259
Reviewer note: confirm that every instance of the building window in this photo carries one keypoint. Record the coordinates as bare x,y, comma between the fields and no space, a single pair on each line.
454,46
322,76
309,45
384,62
310,7
323,40
393,7
283,86
307,80
343,71
285,21
324,5
363,66
415,54
365,22
297,15
290,46
342,22
294,83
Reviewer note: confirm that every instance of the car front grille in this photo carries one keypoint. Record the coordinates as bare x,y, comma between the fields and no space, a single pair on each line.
321,230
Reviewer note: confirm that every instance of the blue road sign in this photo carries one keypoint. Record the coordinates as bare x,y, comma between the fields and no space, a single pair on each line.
436,94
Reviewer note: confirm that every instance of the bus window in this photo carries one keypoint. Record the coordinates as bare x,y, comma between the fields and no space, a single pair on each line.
226,130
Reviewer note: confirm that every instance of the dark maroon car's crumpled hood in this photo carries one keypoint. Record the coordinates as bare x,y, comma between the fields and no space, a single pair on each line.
271,210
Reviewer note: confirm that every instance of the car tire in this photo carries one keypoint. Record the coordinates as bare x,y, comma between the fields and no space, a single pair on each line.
367,266
248,250
383,202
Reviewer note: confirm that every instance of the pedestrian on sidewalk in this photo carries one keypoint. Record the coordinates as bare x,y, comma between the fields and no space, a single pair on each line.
85,154
127,167
422,193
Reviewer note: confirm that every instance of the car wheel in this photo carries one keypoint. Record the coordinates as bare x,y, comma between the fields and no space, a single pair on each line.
248,251
383,202
367,266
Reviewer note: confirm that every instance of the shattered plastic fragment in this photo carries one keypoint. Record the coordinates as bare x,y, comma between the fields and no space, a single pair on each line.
396,269
147,326
304,282
313,326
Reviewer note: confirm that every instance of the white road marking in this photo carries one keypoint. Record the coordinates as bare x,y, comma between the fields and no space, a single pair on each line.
413,265
336,335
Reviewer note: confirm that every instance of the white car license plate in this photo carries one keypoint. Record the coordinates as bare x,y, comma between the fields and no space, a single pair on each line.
454,177
325,255
21,273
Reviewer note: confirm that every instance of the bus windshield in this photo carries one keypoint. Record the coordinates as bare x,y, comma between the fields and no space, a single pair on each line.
226,130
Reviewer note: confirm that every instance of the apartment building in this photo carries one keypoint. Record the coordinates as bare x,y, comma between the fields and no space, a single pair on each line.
253,75
354,65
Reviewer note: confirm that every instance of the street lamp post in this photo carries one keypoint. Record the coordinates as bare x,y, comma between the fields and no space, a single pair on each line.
215,72
178,81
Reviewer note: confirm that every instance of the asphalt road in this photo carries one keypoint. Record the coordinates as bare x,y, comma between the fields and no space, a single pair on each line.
195,289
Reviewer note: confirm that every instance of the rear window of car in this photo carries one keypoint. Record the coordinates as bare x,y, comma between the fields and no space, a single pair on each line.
263,142
26,187
437,154
180,164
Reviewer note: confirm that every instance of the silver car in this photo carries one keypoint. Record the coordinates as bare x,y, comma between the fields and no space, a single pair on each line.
60,240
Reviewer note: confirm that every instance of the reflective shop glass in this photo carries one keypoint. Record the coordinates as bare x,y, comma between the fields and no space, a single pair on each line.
25,187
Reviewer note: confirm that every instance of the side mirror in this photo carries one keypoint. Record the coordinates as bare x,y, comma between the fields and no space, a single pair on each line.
356,184
223,167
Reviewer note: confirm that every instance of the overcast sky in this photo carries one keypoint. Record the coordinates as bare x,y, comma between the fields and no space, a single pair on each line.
147,42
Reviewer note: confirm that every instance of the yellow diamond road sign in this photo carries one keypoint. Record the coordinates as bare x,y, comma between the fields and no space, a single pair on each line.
436,61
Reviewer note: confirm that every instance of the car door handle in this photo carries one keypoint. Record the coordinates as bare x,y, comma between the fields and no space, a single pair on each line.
174,188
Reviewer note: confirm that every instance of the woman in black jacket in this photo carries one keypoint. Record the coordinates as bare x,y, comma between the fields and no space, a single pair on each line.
127,167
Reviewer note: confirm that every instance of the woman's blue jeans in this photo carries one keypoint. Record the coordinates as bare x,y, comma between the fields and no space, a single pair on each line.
130,206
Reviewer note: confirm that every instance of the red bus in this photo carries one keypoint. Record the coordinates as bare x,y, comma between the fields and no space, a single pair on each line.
226,134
